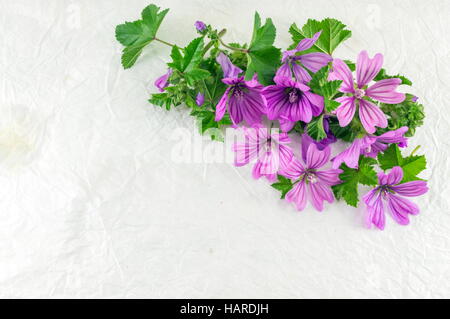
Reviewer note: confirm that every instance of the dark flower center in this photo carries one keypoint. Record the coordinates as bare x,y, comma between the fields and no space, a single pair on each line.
294,95
360,93
238,91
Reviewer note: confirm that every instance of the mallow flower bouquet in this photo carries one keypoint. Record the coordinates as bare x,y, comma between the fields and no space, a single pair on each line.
307,91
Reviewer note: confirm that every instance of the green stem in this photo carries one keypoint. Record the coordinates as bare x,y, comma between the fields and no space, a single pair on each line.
415,150
211,43
165,42
232,48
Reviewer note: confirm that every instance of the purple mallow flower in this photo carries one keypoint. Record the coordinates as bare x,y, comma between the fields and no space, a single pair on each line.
270,149
200,26
163,81
308,179
243,99
294,64
200,99
292,101
399,207
370,146
382,91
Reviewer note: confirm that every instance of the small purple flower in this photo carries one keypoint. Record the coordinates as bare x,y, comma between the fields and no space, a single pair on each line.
200,26
370,146
271,150
242,99
382,91
163,81
200,99
308,179
399,207
294,64
291,101
414,99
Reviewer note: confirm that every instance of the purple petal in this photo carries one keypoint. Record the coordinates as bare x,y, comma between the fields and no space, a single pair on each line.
294,169
284,70
315,61
300,73
316,158
384,91
346,111
200,26
371,116
267,165
375,212
200,99
285,124
229,69
400,208
342,72
395,136
316,101
367,68
307,43
163,81
395,175
350,156
297,195
221,107
411,189
319,193
329,177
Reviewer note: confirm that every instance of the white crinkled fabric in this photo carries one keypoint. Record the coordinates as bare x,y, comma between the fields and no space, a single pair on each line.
93,204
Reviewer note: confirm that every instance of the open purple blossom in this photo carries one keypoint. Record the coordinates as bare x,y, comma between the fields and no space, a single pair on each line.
370,146
309,180
399,207
200,26
271,149
242,99
200,99
291,101
163,81
294,64
357,93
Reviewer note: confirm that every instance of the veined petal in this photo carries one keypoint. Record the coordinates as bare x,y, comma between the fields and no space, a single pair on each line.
229,69
375,213
316,158
341,71
314,61
294,169
297,195
346,111
395,175
371,116
350,156
300,73
284,70
285,124
367,68
307,43
410,189
384,91
316,101
221,107
319,193
396,136
267,165
329,177
400,208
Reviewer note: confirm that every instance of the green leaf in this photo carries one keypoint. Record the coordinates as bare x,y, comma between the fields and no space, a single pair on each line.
161,99
177,59
263,57
412,165
348,189
206,122
333,33
315,129
407,113
196,75
382,75
346,133
192,54
319,84
138,34
284,185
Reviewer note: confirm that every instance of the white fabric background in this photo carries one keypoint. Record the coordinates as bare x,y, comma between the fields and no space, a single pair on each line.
91,204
